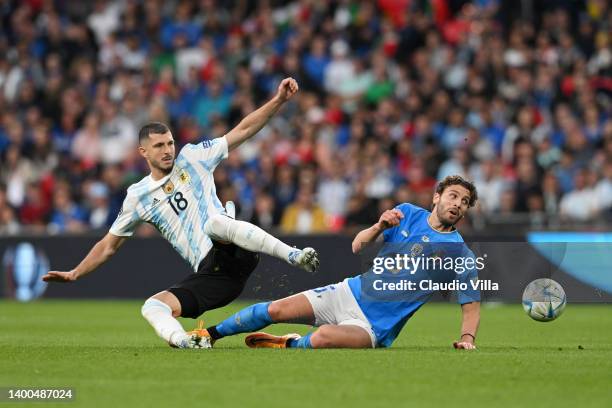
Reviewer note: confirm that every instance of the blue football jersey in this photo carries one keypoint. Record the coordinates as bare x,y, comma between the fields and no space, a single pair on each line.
388,311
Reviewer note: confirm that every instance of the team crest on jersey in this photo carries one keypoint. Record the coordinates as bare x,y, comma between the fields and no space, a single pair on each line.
168,187
184,177
425,238
416,250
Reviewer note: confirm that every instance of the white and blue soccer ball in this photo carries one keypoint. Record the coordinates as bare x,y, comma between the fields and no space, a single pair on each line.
544,300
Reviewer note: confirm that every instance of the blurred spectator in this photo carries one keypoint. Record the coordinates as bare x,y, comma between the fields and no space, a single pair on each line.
118,136
8,221
526,183
380,86
580,204
44,158
16,173
603,188
182,25
507,203
284,187
316,61
86,145
97,200
454,134
418,180
264,214
457,164
214,104
104,19
378,178
67,216
35,209
112,178
525,129
303,216
360,209
490,185
334,192
551,194
339,69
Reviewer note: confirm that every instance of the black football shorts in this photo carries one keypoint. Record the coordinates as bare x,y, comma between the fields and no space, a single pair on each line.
220,279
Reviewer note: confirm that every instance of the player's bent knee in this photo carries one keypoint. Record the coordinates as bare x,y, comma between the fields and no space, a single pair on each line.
144,310
152,306
216,226
275,310
169,299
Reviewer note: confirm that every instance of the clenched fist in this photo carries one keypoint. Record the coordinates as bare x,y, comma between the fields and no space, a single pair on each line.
390,219
287,88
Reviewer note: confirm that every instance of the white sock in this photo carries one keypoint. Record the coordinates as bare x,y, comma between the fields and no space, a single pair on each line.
159,315
249,237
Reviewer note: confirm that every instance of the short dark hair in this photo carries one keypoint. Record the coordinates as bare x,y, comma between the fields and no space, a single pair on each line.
151,128
458,181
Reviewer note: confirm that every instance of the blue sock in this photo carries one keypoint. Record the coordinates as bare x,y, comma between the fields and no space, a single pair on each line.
302,342
247,320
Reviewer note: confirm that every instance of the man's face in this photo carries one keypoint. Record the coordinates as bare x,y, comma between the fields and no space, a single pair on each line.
452,204
159,151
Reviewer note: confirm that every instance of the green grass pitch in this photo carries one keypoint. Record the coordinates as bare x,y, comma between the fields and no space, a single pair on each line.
112,358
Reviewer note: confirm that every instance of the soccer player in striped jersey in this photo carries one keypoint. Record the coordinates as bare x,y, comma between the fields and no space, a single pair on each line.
179,199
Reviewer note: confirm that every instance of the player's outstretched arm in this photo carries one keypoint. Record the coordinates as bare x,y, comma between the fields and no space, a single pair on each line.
469,326
256,120
100,253
388,219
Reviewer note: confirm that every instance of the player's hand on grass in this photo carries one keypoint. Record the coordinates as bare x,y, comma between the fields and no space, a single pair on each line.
464,345
390,219
57,276
287,88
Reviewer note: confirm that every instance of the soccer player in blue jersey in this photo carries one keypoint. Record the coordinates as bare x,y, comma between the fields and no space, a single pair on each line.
179,199
351,314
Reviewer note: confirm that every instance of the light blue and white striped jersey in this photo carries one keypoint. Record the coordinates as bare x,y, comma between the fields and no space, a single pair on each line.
179,204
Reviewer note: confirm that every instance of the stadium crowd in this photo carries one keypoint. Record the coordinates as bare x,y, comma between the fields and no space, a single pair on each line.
394,94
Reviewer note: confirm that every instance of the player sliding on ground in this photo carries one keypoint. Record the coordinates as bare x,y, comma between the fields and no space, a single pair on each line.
349,314
179,199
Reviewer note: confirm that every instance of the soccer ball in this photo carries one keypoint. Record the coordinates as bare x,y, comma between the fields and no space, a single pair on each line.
544,300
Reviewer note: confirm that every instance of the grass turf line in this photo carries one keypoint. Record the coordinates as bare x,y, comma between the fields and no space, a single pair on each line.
109,354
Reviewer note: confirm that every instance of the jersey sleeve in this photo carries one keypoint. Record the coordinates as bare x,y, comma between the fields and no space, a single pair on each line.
127,219
469,276
390,235
208,152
